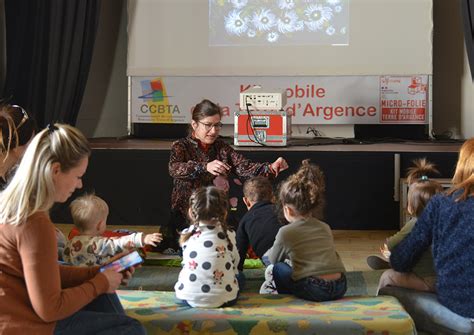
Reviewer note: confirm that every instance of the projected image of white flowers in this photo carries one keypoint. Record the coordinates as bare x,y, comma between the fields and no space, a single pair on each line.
289,22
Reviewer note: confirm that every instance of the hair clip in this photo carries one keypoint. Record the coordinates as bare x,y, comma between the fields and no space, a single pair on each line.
424,178
51,128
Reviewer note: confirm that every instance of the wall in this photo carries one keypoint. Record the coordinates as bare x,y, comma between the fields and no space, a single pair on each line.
104,109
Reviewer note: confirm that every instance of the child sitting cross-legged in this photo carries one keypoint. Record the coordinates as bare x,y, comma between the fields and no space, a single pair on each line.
210,258
89,214
317,272
421,189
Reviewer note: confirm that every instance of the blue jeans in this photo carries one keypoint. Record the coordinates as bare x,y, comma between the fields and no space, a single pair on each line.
104,315
309,288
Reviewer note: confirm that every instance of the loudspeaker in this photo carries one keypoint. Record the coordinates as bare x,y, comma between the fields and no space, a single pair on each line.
160,130
381,131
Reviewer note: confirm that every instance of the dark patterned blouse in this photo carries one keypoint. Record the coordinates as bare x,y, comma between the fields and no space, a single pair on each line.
188,162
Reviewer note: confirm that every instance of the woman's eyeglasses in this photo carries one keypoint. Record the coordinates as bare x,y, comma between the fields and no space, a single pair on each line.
24,113
209,126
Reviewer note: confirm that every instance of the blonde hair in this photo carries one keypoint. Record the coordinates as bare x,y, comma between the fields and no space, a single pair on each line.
421,187
87,210
32,188
258,189
304,190
464,175
207,204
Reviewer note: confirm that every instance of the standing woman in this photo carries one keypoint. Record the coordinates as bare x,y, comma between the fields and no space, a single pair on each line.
17,129
203,159
447,223
37,295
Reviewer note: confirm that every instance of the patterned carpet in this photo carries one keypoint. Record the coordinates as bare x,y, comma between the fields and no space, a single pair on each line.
163,278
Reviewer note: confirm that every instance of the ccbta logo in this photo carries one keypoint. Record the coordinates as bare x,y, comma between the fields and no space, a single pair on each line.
153,90
156,99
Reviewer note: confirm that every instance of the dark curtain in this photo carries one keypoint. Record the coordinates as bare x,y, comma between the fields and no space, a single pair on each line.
49,51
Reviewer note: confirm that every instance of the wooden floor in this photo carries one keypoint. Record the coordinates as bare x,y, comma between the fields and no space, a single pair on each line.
352,245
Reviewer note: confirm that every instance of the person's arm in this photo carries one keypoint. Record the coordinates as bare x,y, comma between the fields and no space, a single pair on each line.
277,252
242,243
409,250
244,167
76,275
392,241
107,246
37,249
181,168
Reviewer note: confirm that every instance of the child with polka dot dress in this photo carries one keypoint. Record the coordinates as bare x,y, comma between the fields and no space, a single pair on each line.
209,275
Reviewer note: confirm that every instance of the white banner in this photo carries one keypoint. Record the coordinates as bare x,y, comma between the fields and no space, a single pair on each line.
310,100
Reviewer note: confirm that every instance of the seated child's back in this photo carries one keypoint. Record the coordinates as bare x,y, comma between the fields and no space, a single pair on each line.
208,277
259,226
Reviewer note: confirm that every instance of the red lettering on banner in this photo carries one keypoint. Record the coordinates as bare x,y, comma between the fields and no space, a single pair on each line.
392,103
371,111
309,110
416,103
331,112
309,91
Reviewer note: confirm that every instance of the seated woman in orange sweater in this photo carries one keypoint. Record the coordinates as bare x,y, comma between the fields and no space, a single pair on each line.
37,295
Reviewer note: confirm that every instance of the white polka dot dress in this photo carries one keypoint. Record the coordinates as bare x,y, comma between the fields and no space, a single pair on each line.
208,277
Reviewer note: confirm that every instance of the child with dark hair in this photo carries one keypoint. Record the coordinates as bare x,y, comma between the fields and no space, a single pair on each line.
259,226
210,258
317,272
421,190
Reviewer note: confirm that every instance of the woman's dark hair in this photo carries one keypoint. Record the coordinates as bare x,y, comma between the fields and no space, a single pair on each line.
17,127
204,109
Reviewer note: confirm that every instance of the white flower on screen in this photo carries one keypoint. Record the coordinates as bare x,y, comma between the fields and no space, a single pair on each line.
251,33
273,36
333,2
338,9
289,23
330,30
264,20
317,16
286,4
235,24
239,3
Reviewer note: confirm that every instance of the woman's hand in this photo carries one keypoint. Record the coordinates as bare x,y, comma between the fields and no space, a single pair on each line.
279,165
127,274
114,279
217,168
